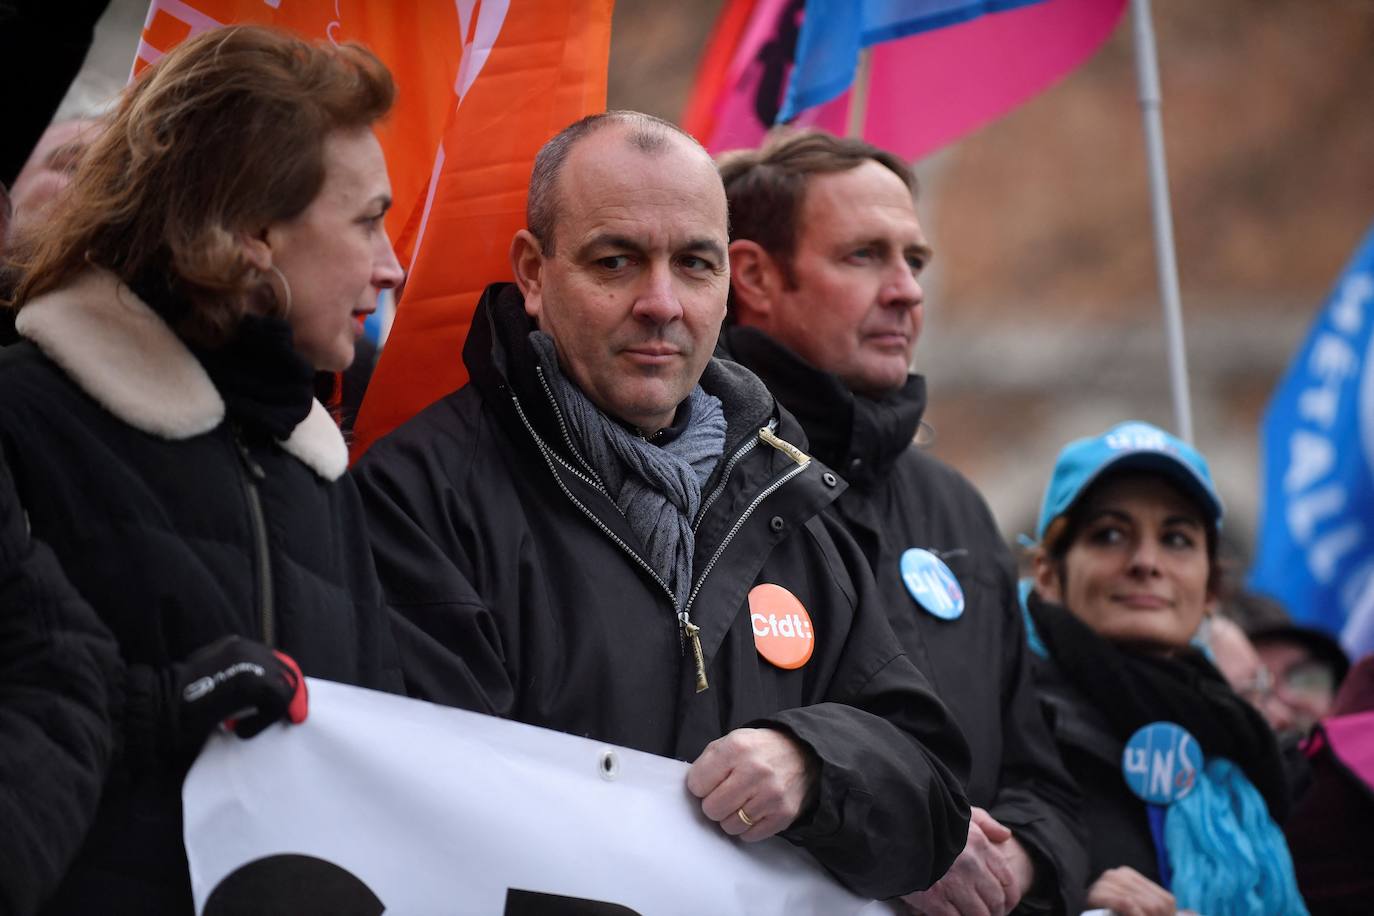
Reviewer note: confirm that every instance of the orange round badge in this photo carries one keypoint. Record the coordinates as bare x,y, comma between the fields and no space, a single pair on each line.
782,628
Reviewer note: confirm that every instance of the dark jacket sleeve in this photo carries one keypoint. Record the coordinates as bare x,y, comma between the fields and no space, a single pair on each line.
449,642
890,814
59,676
1036,798
146,734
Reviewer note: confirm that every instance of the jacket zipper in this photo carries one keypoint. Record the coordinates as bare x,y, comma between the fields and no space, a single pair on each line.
550,457
743,450
563,428
801,458
687,631
252,472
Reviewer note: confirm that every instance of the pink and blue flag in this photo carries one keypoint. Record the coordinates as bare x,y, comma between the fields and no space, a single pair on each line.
939,68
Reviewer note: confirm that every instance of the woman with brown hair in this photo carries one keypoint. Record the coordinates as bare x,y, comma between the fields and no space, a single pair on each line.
1181,778
218,244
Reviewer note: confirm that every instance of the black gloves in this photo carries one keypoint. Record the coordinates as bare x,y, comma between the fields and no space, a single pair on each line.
237,682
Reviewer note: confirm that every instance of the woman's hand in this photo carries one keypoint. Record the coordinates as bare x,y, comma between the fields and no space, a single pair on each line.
240,684
1126,892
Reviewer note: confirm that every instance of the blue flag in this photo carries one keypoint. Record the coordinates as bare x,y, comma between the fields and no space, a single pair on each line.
1316,539
833,32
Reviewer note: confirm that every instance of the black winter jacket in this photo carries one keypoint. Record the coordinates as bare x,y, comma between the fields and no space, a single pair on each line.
536,606
59,679
1115,817
179,525
900,497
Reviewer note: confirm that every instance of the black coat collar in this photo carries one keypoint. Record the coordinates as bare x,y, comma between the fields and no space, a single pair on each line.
859,436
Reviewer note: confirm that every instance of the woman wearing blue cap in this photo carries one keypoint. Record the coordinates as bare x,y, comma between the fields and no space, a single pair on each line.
1182,778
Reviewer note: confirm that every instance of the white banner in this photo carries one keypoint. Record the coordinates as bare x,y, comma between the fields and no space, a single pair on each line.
382,804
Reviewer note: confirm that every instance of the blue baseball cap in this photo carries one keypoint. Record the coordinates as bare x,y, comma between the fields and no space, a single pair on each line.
1129,446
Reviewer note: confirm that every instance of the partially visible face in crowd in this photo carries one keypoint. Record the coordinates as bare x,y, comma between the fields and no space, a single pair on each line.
1238,661
634,292
335,254
856,309
1137,571
1303,687
49,169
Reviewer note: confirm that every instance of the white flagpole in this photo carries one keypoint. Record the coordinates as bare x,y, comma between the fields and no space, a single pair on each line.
1147,72
858,96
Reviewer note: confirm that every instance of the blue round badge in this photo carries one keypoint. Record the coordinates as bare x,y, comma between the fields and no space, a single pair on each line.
932,584
1161,762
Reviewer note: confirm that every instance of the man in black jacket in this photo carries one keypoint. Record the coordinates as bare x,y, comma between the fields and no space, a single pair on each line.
610,533
825,253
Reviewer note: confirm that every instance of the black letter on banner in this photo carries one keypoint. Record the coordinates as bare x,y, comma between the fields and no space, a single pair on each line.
292,884
533,903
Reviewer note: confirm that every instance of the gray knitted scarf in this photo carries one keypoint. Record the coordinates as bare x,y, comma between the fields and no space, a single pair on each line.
657,489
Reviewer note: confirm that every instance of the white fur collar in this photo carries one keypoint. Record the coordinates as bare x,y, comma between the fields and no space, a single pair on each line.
317,442
124,356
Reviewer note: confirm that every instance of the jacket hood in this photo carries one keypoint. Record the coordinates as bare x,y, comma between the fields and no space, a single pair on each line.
125,357
501,362
859,436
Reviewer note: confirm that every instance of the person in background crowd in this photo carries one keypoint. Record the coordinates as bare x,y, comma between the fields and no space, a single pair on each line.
1329,830
1306,667
45,174
1235,657
826,306
49,169
610,533
213,251
1125,568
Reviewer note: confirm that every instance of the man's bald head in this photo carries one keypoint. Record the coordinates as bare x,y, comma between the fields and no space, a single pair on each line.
633,294
645,133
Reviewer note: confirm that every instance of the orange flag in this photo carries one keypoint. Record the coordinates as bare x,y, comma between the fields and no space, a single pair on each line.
421,42
532,68
481,85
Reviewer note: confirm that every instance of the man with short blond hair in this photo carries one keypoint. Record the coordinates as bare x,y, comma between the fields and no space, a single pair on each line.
826,255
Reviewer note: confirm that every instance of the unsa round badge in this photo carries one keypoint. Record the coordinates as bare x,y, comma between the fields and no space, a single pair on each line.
1161,762
932,584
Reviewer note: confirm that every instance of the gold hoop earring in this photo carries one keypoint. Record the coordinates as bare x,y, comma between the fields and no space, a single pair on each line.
286,308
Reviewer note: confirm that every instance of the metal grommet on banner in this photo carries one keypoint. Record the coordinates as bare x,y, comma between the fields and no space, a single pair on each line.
609,766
